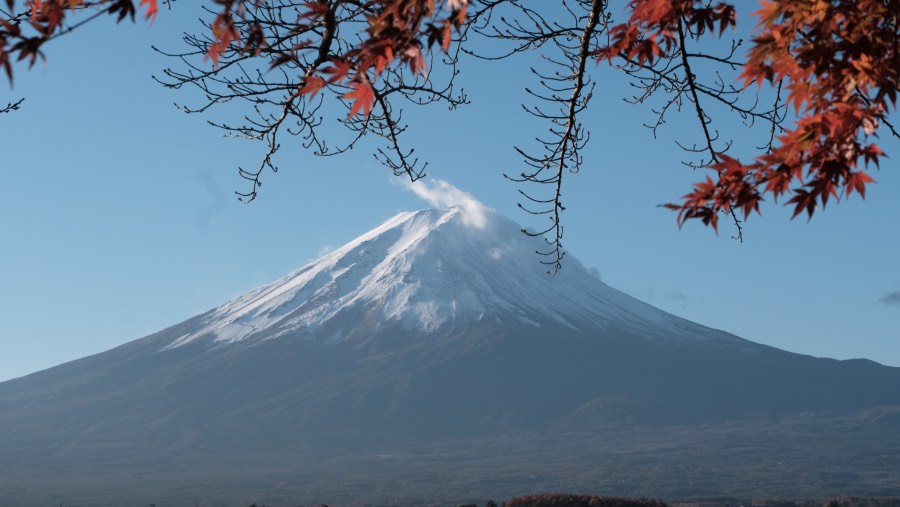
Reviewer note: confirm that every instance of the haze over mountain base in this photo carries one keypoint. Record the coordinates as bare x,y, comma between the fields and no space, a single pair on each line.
432,360
801,457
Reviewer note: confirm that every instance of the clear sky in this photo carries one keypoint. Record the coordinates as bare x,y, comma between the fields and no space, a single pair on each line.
118,216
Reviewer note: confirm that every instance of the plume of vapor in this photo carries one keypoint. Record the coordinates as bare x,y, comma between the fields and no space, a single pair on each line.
441,194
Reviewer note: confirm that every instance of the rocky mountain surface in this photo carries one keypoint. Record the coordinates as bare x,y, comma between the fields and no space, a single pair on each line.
438,333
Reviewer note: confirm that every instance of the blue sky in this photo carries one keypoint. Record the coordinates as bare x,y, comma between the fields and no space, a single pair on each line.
118,216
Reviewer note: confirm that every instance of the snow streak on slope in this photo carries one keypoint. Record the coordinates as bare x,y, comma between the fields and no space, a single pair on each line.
434,271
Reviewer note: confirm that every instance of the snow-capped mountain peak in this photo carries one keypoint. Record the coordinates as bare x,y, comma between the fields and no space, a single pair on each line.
429,271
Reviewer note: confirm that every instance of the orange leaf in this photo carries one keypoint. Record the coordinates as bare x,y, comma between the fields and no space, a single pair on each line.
857,181
151,11
363,97
312,86
338,71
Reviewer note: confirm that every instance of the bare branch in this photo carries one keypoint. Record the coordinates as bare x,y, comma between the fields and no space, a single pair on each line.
569,89
11,106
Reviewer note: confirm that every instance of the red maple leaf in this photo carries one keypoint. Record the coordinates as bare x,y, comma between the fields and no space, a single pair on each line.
363,97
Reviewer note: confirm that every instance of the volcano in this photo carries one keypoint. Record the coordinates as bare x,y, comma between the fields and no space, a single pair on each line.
439,334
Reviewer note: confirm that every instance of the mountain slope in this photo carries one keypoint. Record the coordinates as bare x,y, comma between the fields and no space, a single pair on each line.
431,272
436,325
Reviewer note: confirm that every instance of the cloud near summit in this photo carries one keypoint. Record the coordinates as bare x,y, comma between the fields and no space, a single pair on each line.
441,194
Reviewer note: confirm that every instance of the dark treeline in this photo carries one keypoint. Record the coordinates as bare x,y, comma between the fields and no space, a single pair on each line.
840,501
570,500
567,500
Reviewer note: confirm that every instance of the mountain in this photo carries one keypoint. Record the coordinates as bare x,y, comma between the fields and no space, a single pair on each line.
437,334
431,273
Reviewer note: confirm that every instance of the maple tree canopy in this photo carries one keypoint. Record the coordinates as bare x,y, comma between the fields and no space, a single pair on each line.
829,69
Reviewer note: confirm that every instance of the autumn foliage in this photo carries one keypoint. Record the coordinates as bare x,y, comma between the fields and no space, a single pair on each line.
399,32
570,500
831,65
838,62
24,32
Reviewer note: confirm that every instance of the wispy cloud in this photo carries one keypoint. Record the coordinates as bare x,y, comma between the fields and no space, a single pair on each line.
891,298
442,194
325,250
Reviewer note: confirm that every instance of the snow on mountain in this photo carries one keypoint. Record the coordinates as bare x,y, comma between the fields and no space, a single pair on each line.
433,271
431,343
